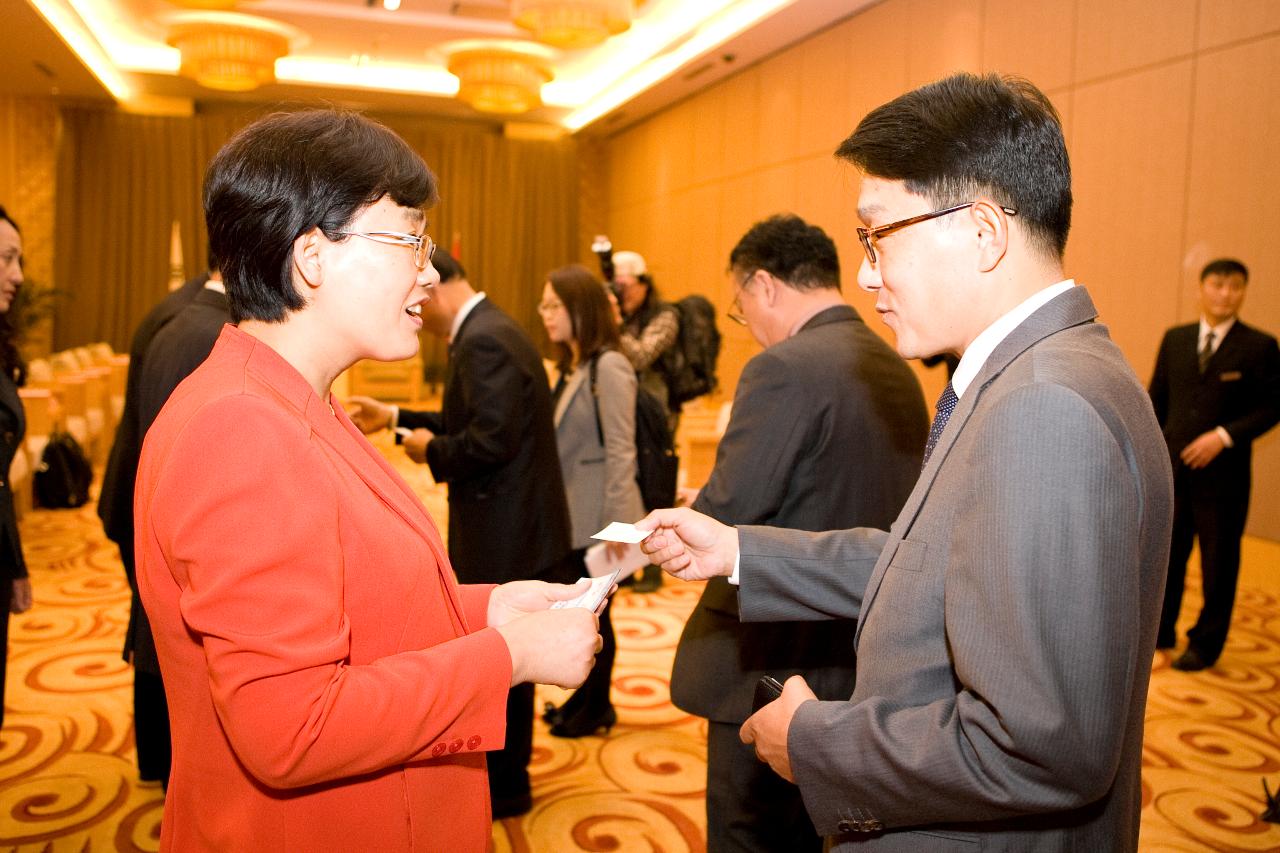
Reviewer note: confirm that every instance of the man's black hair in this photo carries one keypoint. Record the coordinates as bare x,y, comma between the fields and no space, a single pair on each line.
788,248
1225,267
967,136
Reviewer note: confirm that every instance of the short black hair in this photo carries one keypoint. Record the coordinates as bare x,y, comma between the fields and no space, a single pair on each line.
447,265
788,248
968,135
286,174
1224,267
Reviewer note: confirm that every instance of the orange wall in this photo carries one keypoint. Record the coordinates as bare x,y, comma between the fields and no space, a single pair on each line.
1171,109
29,130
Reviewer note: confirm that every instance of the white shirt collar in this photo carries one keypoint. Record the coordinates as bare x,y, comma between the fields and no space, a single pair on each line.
462,314
985,344
1219,332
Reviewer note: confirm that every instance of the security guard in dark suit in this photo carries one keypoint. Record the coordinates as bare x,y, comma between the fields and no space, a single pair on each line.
1216,388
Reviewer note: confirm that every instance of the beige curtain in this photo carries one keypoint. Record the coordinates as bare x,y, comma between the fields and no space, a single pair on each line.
124,179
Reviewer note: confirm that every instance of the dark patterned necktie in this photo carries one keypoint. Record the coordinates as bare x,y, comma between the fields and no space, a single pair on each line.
1206,351
942,413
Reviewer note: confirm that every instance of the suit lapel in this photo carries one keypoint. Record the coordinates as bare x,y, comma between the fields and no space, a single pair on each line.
1068,309
335,429
338,431
571,386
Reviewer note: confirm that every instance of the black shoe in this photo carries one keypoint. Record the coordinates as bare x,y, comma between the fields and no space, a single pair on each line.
584,723
553,715
511,806
651,581
1191,661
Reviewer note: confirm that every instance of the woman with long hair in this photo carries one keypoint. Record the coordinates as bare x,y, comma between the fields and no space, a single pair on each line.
15,588
595,434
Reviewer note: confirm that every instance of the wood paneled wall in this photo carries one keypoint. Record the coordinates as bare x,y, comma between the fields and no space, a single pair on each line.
1169,106
29,131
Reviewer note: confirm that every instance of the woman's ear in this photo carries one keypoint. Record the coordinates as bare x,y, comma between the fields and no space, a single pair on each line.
308,262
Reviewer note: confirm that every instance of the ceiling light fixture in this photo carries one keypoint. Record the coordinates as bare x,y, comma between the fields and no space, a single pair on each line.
735,18
499,79
573,24
229,52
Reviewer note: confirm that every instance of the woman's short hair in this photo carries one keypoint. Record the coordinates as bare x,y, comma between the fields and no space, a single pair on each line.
590,314
286,174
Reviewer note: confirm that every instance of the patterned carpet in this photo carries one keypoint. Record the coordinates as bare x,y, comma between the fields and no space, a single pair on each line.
68,780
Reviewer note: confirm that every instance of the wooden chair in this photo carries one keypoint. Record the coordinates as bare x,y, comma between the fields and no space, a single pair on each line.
40,408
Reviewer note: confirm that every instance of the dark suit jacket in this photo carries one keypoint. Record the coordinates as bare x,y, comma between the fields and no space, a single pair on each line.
13,427
115,504
495,445
827,432
1007,618
1239,391
175,352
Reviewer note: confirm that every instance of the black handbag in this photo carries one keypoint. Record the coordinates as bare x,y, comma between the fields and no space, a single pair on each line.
62,478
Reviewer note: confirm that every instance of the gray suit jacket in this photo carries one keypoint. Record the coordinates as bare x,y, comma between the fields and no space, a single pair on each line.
827,432
1007,619
599,481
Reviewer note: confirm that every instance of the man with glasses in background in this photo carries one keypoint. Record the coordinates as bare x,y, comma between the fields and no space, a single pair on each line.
494,443
827,431
1008,616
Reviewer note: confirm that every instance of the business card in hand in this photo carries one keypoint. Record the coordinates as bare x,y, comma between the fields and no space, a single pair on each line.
617,531
595,593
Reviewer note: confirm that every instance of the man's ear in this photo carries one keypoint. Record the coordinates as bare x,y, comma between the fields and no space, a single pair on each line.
993,233
308,262
768,287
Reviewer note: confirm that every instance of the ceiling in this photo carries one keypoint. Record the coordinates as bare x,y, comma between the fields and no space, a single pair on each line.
356,53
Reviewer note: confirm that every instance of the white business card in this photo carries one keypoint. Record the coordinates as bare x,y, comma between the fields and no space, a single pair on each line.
619,531
595,593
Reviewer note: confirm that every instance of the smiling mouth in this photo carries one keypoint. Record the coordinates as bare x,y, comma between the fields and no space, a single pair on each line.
414,310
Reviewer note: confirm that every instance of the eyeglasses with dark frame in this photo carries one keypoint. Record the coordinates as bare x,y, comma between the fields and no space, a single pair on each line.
424,248
868,236
735,308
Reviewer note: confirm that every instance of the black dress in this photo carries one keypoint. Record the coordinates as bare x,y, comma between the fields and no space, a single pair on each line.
13,426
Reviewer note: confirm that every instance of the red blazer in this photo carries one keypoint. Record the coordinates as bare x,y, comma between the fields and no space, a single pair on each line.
330,686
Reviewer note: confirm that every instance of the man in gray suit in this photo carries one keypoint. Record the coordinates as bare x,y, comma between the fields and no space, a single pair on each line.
1008,616
845,454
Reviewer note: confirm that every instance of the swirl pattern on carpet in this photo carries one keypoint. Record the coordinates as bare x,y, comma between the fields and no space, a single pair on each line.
68,779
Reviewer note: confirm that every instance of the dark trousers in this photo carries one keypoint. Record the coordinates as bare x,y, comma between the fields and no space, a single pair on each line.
749,807
150,708
509,766
151,727
1211,508
592,698
6,595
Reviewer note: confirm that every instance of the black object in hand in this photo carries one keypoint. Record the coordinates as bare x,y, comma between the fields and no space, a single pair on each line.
768,688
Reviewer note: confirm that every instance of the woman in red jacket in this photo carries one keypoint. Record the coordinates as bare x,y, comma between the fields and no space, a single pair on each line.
330,685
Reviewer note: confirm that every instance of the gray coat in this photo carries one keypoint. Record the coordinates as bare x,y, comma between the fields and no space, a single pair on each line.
827,431
599,481
1008,617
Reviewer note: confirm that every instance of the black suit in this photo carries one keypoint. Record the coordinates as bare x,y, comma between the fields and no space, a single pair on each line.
115,505
1240,392
13,427
827,432
495,445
